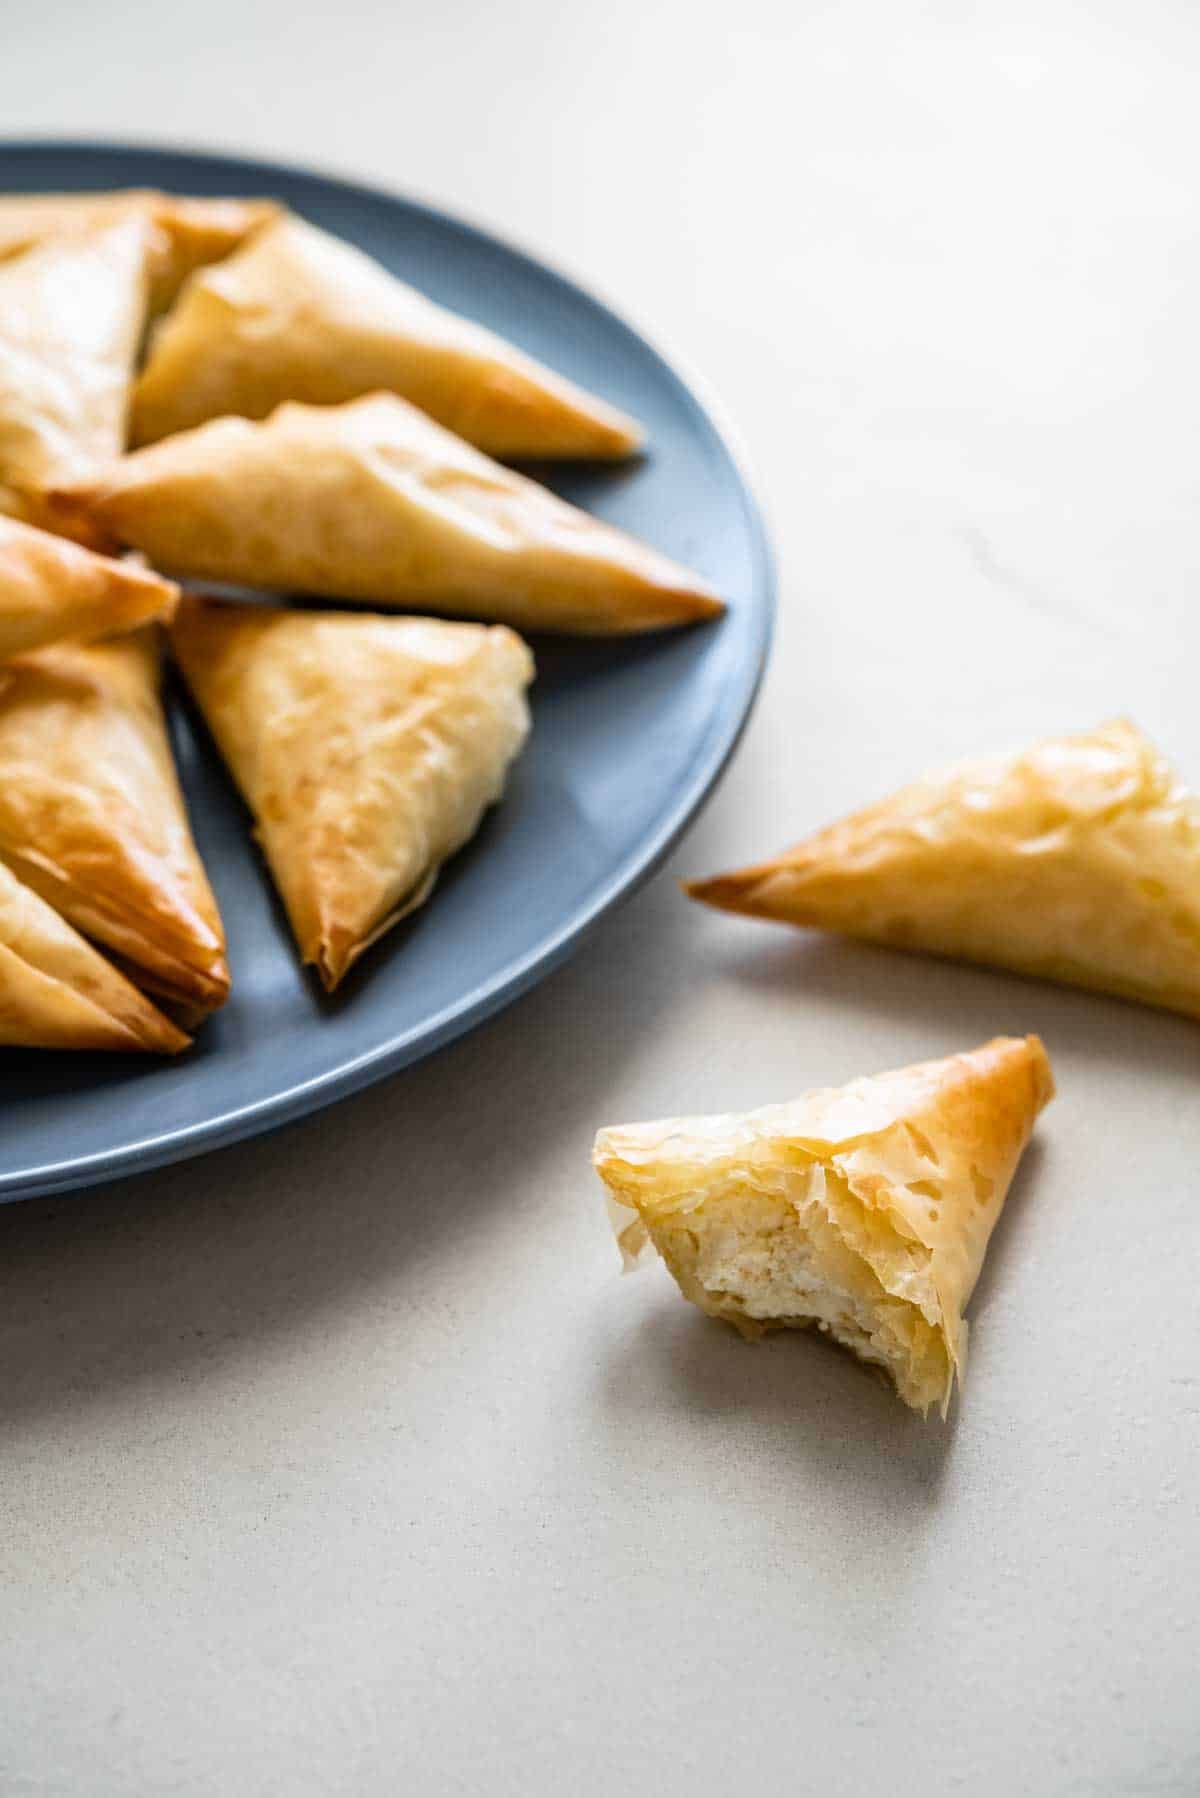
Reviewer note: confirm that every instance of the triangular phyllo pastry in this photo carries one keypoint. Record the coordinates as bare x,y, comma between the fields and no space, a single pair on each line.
91,815
298,315
367,748
52,590
1077,861
374,501
72,310
57,992
186,233
864,1209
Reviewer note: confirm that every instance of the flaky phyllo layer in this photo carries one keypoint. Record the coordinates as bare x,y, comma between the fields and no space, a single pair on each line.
367,747
776,1249
865,1211
1077,860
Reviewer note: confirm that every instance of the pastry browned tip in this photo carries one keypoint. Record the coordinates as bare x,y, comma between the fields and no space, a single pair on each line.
335,952
612,440
157,1035
574,425
663,609
192,991
700,602
732,892
1045,1086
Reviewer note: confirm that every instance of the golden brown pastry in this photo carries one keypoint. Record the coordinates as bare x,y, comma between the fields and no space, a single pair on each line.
51,590
367,748
374,501
1077,861
91,815
864,1209
298,315
185,233
71,314
56,992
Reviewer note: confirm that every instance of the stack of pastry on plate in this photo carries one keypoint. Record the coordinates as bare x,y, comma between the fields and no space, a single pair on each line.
217,390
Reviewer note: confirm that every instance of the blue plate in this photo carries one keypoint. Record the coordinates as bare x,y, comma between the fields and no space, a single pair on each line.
628,738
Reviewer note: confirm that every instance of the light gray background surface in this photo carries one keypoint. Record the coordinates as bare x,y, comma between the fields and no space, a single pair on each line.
344,1462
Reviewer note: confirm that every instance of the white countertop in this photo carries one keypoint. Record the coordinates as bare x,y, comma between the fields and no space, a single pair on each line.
344,1462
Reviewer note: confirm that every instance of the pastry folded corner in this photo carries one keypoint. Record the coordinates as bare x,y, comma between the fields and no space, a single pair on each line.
185,232
92,816
57,992
52,590
863,1210
197,231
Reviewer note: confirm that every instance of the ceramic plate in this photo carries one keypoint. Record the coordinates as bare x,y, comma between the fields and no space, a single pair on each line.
628,737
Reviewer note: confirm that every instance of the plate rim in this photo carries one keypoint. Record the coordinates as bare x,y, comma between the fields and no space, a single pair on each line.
517,977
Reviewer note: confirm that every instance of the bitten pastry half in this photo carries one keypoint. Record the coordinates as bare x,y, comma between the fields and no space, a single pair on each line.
52,590
57,992
72,310
864,1209
296,314
373,501
367,748
1077,860
185,232
92,816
